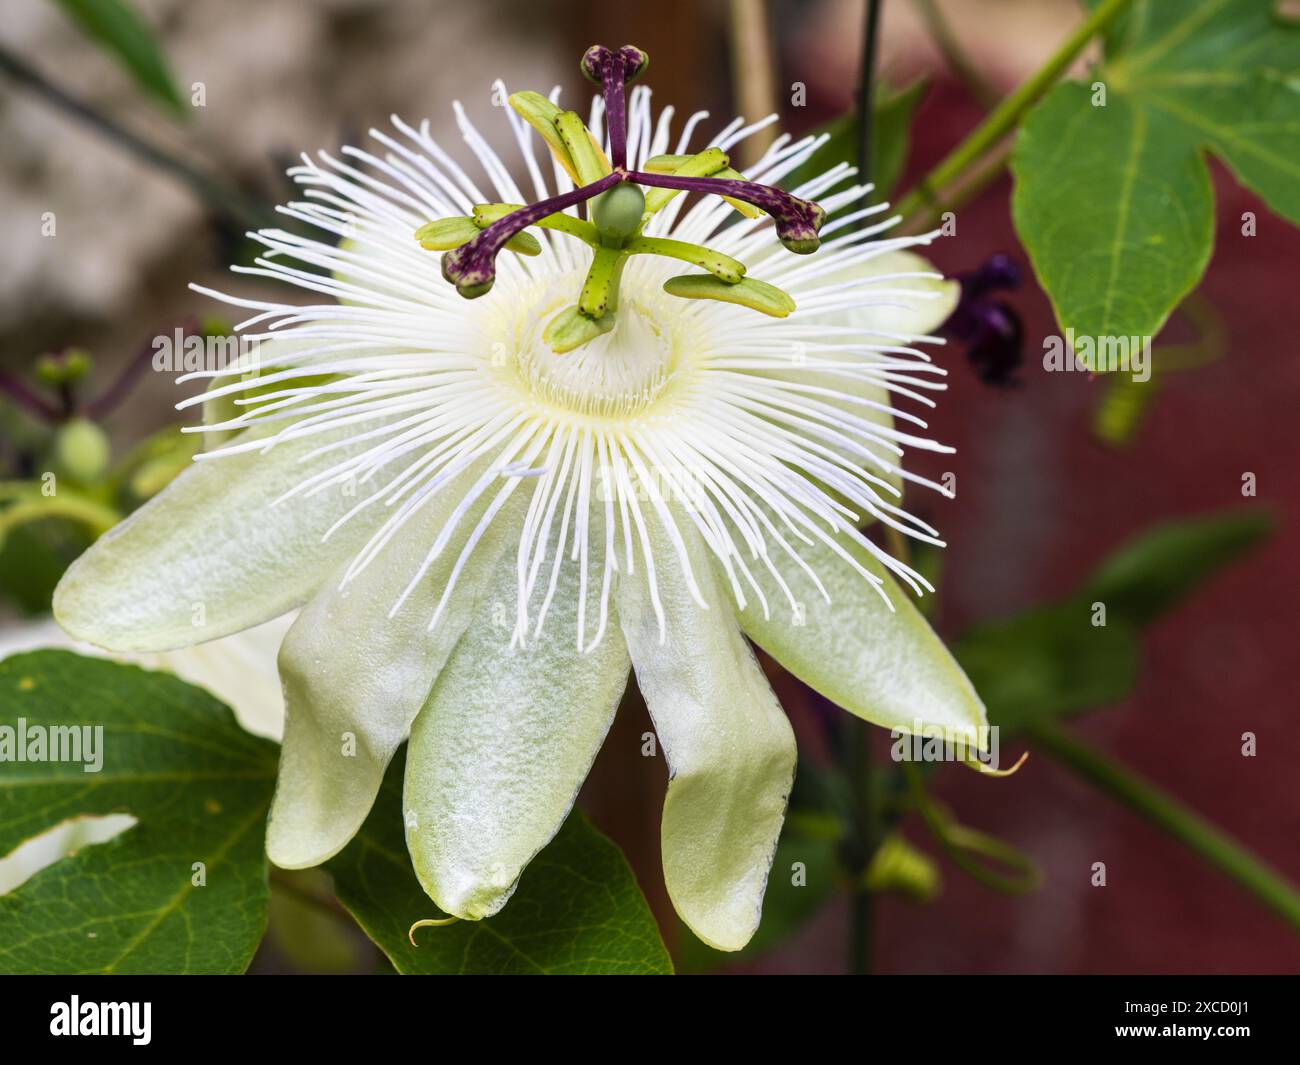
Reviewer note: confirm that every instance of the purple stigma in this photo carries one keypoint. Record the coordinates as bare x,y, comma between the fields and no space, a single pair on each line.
797,221
613,70
472,267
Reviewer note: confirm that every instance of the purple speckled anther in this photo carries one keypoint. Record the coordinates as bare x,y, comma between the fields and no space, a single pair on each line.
472,267
797,221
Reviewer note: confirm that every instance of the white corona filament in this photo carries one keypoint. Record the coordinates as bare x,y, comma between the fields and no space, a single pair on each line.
740,421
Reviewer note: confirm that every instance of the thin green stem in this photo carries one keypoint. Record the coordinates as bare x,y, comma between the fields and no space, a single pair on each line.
868,822
866,88
867,835
97,517
1007,114
1189,828
979,178
1006,869
226,200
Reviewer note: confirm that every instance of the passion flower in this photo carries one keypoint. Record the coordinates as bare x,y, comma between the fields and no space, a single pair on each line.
495,509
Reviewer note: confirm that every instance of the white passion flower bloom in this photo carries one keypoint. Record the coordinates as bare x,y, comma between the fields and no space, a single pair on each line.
495,509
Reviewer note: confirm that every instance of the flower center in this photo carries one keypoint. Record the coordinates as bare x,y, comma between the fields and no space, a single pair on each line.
618,374
618,209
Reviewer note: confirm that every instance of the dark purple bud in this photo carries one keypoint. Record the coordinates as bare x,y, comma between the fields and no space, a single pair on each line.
994,347
997,272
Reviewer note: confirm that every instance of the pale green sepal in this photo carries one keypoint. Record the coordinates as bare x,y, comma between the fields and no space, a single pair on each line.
748,292
499,751
729,747
209,555
223,408
885,666
570,329
935,301
354,678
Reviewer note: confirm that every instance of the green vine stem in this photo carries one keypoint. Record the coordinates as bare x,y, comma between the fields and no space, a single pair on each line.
30,505
1167,813
985,859
1005,117
867,829
224,199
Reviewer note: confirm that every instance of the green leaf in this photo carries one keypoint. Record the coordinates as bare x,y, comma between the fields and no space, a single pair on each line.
197,784
33,558
117,26
891,135
1049,663
1118,219
890,138
1152,573
1114,202
1054,661
578,908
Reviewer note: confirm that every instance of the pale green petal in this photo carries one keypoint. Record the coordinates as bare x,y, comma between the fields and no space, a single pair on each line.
354,678
887,667
934,301
728,744
920,314
500,750
209,555
238,669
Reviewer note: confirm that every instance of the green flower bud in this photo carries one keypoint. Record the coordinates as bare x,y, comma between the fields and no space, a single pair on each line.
63,369
82,450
